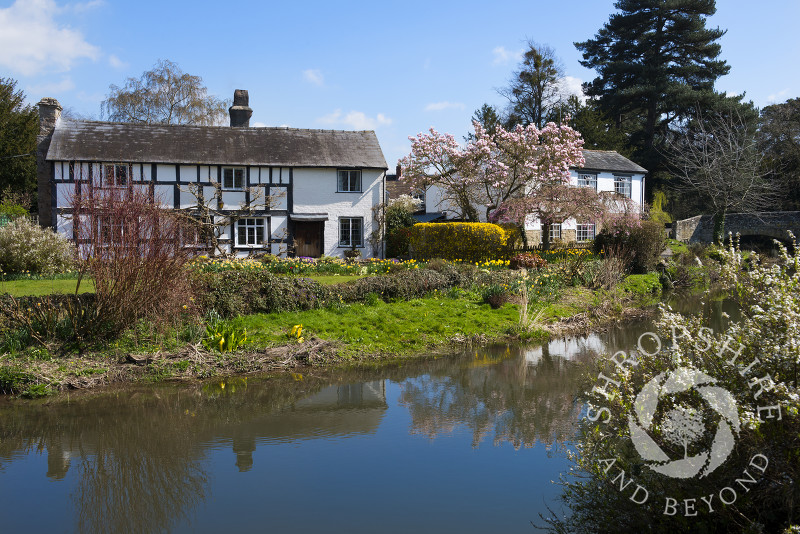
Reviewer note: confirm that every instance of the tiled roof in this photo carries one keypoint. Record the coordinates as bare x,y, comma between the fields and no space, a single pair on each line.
608,160
157,143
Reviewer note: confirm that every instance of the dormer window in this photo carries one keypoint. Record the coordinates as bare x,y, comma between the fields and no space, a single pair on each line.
349,181
232,178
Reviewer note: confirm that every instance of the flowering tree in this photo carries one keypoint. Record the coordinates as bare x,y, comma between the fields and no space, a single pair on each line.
520,174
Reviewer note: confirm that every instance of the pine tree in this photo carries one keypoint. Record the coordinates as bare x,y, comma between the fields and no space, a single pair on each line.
657,64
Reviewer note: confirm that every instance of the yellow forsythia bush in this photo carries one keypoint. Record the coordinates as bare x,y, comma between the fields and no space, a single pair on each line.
471,242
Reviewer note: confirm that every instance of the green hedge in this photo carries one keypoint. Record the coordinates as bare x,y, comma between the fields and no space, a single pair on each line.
472,242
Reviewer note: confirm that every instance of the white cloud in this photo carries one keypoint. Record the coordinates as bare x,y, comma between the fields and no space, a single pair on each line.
314,76
31,41
259,124
572,86
780,96
441,106
356,120
503,56
86,6
116,62
47,89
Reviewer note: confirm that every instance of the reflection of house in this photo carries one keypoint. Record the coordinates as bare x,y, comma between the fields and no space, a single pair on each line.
323,183
339,410
567,348
604,171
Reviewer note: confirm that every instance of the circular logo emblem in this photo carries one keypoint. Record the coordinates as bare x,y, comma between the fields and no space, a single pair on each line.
683,425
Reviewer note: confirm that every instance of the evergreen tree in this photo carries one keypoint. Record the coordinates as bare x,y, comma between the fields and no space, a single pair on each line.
19,125
487,117
779,140
598,132
657,64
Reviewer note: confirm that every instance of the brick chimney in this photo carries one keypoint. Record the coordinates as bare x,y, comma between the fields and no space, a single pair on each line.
240,110
49,114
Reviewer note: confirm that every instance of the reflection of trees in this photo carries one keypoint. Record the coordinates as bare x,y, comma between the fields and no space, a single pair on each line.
498,393
138,455
143,486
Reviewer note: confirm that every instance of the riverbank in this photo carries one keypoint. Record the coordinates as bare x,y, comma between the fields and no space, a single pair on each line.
370,333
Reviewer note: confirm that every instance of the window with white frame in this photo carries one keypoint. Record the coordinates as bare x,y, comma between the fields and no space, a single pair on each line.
555,231
622,185
587,180
419,195
351,232
586,232
232,178
115,175
349,181
250,231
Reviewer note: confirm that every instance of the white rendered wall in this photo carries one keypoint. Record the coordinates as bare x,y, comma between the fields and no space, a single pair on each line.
314,191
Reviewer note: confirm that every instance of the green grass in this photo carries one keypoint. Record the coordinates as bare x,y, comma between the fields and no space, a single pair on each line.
677,247
396,328
21,288
642,284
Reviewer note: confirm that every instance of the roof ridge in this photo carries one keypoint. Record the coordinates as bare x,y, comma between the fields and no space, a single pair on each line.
210,126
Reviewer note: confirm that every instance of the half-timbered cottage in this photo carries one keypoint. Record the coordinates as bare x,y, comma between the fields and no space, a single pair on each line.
308,192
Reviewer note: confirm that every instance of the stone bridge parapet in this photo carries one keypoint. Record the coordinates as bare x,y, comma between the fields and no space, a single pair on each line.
773,224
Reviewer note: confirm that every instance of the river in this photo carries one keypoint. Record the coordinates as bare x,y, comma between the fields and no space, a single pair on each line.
464,443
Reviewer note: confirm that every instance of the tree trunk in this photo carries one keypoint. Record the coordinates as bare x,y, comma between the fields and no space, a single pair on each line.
719,227
545,236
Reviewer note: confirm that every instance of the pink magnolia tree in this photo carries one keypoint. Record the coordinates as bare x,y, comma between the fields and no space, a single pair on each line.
519,175
438,159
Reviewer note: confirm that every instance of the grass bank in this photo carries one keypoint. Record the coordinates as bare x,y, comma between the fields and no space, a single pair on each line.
22,288
346,334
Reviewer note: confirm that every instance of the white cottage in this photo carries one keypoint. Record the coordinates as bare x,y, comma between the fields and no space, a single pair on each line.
312,191
604,171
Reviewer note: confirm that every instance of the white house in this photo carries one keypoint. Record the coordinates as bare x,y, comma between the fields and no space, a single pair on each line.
604,171
311,190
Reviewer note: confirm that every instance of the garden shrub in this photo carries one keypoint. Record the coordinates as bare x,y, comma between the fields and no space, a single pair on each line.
641,245
25,246
233,293
400,286
398,241
10,210
134,257
66,321
473,242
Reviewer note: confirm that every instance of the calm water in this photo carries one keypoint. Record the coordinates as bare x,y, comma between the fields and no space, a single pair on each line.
468,443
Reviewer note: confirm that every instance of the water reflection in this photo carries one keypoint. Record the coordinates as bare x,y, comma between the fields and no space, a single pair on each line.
509,394
146,459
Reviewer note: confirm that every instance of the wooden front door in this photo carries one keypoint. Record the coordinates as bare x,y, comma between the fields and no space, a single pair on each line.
308,238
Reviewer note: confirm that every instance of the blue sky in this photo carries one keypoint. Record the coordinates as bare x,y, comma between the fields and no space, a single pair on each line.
396,67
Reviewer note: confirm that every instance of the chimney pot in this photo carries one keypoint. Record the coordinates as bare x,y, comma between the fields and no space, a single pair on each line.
240,111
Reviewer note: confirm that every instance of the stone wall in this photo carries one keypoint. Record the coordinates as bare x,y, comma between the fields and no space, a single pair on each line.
777,225
567,236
